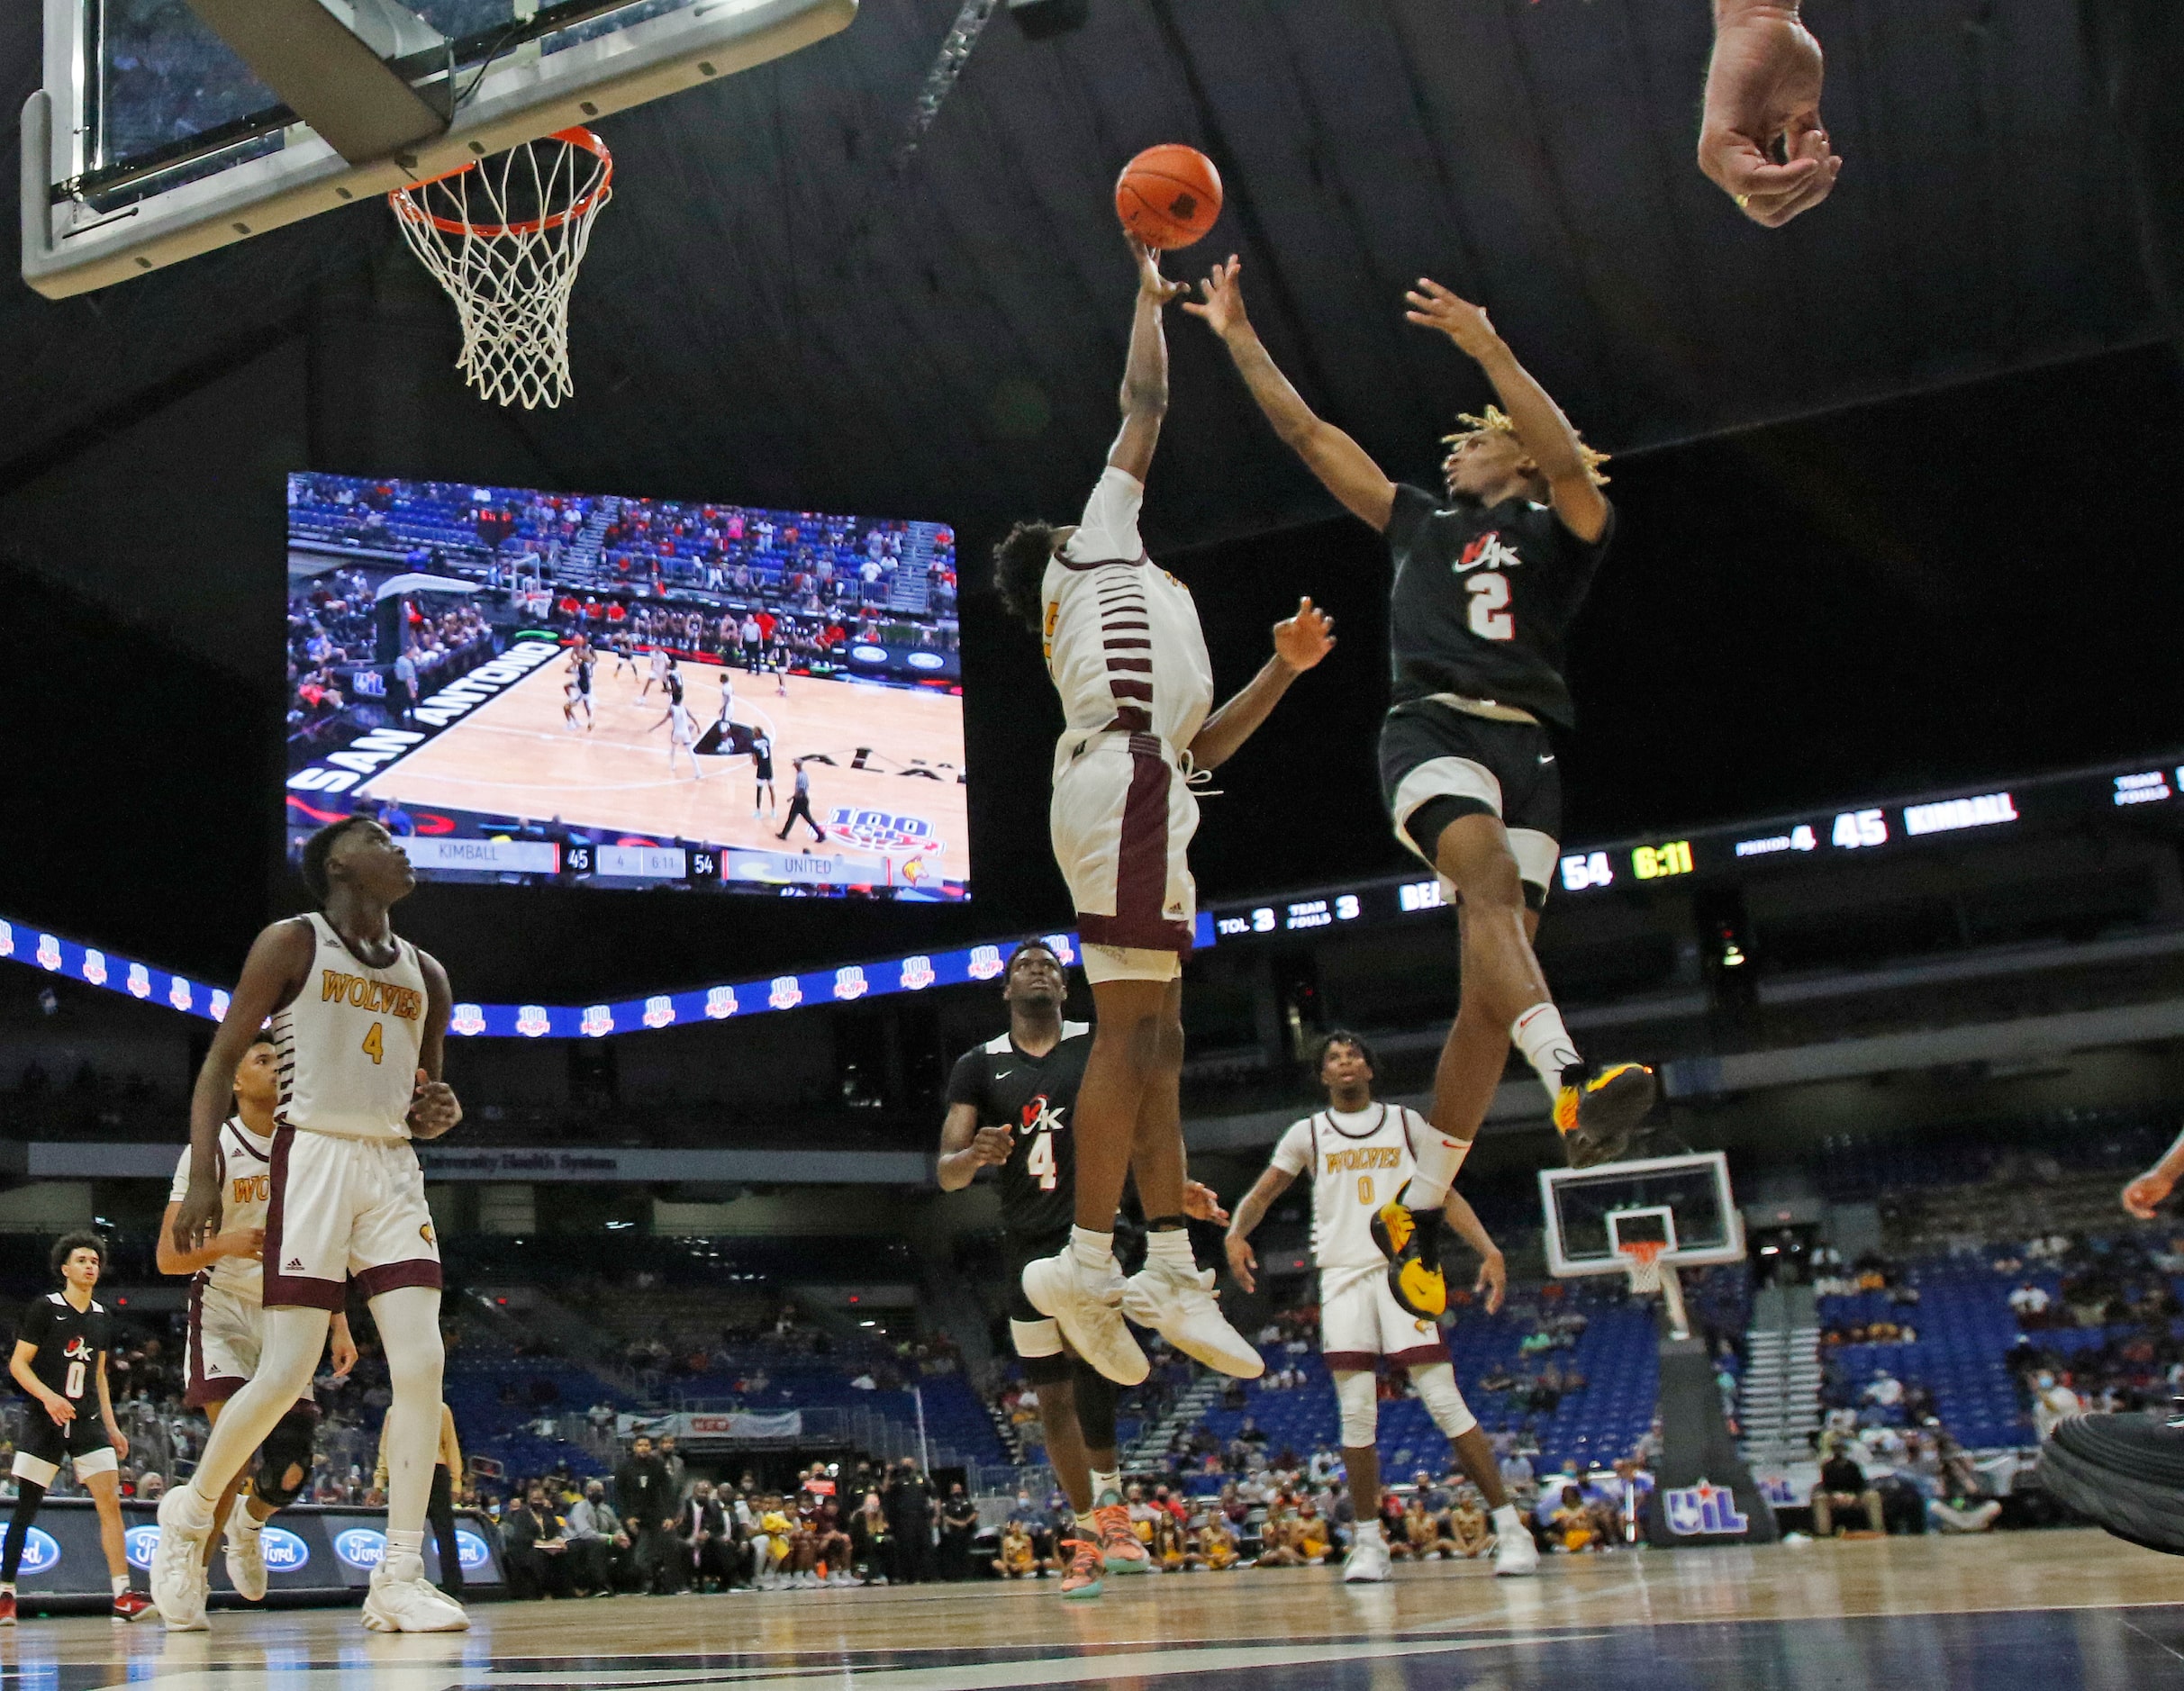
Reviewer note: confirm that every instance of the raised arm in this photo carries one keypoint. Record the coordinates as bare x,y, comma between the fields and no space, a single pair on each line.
1493,1280
1762,101
1299,642
1145,378
1342,466
272,975
1250,1211
1545,434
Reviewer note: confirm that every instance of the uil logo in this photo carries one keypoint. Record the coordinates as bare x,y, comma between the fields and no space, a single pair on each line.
660,1011
1063,948
178,993
721,1003
598,1022
531,1020
917,974
849,982
1702,1509
468,1020
985,963
48,952
139,981
219,1005
95,967
785,994
7,940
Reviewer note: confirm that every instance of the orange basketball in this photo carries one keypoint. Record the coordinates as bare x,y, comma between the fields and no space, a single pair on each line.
1168,195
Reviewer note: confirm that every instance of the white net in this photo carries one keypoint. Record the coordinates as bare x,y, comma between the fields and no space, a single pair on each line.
505,236
1641,1262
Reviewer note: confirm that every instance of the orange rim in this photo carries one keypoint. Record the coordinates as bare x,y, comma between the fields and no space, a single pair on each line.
407,205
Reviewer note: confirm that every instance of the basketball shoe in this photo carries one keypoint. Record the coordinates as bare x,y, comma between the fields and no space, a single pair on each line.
1087,1305
1412,1241
1515,1553
2124,1472
1177,1303
246,1554
131,1606
1085,1566
1598,1110
1119,1542
401,1600
178,1584
7,1608
1368,1562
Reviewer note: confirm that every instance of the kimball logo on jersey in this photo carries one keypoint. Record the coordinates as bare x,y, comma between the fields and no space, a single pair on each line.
1704,1509
1365,1157
374,998
1488,551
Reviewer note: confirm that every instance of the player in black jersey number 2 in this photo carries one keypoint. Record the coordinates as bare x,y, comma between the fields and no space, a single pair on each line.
59,1361
1011,1103
1486,585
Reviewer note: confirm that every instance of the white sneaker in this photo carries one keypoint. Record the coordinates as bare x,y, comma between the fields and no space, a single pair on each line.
246,1554
405,1601
1088,1308
1515,1553
1367,1563
1178,1304
178,1584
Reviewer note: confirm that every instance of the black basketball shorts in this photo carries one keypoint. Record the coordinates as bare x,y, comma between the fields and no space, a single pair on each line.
1035,1335
82,1443
1437,764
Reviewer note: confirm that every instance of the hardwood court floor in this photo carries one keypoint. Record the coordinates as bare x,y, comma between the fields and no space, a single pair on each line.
512,755
2051,1611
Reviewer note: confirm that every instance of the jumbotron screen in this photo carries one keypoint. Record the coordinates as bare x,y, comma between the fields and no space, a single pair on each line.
533,688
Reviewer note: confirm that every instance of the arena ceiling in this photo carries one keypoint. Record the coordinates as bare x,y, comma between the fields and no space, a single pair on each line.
773,313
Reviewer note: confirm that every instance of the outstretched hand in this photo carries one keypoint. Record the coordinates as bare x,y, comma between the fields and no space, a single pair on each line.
1762,101
2145,1194
1151,283
1202,1203
1302,641
1222,301
1433,306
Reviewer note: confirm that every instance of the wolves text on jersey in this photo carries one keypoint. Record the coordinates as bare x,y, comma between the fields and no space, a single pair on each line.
1365,1157
377,998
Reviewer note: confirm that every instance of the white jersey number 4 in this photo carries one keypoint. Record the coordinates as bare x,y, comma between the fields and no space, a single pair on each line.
1040,1162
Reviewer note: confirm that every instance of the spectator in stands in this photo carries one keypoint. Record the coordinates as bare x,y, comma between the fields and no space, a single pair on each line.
2053,1401
959,1524
1843,1485
596,1542
535,1549
1962,1509
1884,1391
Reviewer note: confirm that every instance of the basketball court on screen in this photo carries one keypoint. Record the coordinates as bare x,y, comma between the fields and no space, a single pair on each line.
515,756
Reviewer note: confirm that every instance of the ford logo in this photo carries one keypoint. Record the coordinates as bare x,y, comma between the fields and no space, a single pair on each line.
285,1553
41,1555
926,660
360,1546
470,1550
139,1542
868,654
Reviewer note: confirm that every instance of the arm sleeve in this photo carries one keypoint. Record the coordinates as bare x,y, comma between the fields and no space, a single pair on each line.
967,1081
1109,527
1412,506
1293,1151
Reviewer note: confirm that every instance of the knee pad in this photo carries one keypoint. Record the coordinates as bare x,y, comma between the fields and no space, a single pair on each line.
1354,1394
1095,1398
287,1450
1437,1390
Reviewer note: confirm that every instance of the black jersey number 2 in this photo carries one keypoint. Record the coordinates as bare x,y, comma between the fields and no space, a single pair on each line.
1489,608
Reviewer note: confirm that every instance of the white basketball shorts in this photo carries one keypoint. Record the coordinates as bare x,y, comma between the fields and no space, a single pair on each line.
1122,818
1360,1322
345,1209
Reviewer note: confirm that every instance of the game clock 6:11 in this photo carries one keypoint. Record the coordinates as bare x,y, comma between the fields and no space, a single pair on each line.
1653,862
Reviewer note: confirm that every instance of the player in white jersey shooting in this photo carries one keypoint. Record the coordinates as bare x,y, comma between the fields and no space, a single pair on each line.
227,1322
1357,1151
359,1020
1125,651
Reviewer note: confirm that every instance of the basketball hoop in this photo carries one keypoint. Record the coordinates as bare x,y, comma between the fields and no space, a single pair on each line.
1642,1264
505,236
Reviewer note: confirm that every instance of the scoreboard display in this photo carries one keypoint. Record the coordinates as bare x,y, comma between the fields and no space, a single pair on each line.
2148,789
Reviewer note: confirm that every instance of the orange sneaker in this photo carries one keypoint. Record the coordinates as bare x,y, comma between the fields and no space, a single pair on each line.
1085,1566
1119,1542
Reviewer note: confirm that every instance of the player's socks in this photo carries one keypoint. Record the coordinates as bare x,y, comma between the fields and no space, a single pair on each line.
1171,1245
120,1583
1546,1046
1106,1486
1094,1251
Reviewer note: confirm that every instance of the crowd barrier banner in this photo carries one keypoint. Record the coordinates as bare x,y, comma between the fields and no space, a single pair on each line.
698,1427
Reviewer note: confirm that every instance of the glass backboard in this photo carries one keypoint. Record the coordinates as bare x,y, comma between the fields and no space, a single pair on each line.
1682,1200
152,141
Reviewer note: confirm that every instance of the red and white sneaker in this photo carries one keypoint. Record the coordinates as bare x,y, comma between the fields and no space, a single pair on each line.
7,1608
129,1606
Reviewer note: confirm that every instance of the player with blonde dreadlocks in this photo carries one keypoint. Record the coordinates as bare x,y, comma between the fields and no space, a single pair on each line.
1487,581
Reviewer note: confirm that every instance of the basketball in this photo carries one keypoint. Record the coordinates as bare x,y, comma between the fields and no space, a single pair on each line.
1168,197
